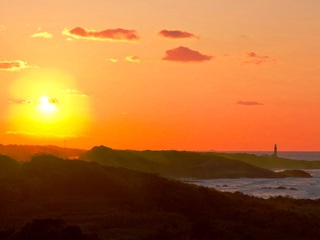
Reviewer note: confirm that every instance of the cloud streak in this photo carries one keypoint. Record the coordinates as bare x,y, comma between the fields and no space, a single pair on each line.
26,101
20,133
32,101
113,60
118,34
73,93
184,54
14,66
253,58
42,35
176,34
249,103
133,59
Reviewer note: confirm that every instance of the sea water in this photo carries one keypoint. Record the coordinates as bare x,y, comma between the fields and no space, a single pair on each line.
300,188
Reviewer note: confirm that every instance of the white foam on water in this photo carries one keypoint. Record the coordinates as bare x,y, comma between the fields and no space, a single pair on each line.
300,188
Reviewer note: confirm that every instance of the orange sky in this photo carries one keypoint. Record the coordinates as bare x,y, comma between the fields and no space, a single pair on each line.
191,75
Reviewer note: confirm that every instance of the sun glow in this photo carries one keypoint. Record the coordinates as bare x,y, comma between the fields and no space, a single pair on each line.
54,108
47,105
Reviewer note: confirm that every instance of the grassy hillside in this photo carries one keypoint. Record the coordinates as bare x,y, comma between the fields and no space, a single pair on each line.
268,162
177,164
117,203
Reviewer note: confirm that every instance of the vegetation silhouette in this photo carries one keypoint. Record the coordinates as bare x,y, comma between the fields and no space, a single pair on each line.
269,162
177,164
118,203
50,229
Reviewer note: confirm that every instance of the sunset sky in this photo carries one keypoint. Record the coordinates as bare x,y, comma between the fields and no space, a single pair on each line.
186,75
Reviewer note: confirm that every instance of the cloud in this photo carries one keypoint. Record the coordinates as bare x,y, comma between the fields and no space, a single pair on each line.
249,103
134,59
174,34
26,101
43,134
119,34
13,66
253,58
113,60
2,27
20,133
245,37
32,101
42,35
184,54
73,93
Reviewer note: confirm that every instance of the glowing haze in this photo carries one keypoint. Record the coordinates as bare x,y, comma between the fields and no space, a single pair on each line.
193,75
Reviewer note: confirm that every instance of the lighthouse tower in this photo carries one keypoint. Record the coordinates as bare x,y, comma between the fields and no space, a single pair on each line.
275,151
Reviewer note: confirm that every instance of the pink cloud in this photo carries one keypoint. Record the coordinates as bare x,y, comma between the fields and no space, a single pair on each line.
253,58
249,103
118,34
184,54
174,34
16,65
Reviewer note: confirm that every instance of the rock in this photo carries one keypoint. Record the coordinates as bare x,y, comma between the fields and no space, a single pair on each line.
295,173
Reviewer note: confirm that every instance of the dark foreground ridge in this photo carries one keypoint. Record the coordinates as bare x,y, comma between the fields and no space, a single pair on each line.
100,202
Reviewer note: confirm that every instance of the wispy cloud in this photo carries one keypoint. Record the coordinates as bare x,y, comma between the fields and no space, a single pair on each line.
245,37
25,101
42,35
20,133
134,59
113,60
51,100
184,54
249,103
253,58
73,93
118,34
15,65
176,34
24,133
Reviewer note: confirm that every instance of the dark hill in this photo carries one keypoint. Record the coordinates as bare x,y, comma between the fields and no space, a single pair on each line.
118,203
177,164
8,166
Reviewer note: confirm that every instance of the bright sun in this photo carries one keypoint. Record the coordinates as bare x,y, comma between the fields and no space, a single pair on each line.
47,105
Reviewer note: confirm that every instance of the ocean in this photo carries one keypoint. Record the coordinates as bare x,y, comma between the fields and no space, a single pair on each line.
300,188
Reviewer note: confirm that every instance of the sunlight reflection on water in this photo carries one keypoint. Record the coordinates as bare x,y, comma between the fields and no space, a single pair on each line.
307,188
